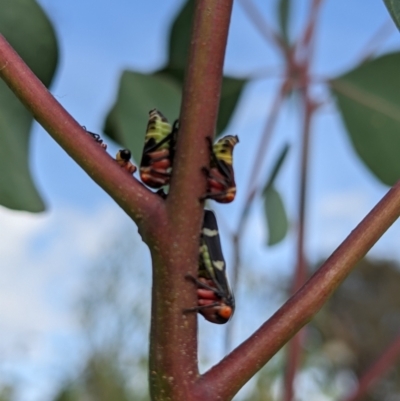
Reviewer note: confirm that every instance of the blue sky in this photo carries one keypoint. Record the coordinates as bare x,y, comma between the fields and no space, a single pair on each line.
47,255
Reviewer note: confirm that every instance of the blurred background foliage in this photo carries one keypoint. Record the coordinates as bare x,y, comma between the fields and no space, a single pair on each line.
113,313
347,337
344,339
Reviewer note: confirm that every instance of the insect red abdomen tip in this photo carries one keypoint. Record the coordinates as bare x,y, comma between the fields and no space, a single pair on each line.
225,312
230,197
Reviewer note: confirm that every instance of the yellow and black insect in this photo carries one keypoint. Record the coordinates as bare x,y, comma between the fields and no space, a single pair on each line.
215,299
123,158
159,150
221,185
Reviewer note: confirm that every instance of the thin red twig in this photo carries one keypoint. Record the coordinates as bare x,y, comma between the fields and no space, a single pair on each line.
268,33
265,140
295,345
305,48
377,370
251,192
304,51
137,201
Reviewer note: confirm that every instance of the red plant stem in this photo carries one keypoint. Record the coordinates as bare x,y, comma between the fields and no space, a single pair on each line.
228,376
377,370
305,48
251,191
173,339
269,34
200,104
295,345
138,202
265,140
304,51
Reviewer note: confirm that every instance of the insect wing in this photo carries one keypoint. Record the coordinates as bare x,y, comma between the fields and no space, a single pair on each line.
221,185
157,133
222,156
212,257
156,163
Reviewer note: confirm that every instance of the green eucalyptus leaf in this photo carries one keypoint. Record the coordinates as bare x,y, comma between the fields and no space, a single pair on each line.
230,94
17,190
394,9
284,7
277,166
274,208
138,94
275,213
180,35
368,98
26,27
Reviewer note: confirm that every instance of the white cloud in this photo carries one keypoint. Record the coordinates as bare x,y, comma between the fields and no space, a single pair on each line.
339,213
336,215
43,260
349,205
17,227
40,249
